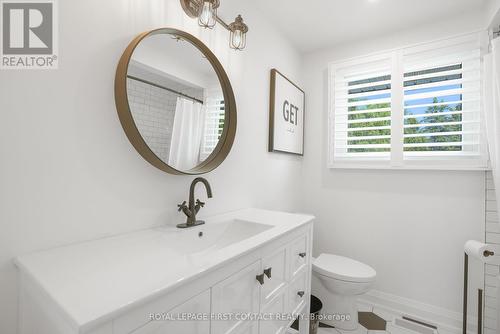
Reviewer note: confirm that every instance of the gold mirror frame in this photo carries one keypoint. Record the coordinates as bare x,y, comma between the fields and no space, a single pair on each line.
126,119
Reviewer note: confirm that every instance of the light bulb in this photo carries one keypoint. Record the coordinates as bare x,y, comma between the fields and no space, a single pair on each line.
207,15
237,39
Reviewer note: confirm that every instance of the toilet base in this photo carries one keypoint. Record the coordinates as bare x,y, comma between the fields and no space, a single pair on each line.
339,293
341,312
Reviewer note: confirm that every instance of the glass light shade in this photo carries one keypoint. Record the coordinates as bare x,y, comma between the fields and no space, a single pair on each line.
238,40
238,37
208,15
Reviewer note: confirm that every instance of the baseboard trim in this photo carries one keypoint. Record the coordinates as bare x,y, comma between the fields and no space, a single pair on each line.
444,319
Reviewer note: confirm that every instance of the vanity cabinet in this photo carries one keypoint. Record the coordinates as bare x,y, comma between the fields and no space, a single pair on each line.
255,292
237,294
269,289
276,271
197,305
299,254
276,306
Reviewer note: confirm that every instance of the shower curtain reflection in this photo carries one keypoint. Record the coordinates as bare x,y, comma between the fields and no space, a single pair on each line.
187,134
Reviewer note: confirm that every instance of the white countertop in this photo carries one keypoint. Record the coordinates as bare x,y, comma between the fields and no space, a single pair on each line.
94,280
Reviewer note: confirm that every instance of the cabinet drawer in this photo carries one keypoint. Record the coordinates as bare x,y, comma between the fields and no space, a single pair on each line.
298,293
275,267
238,294
298,255
271,324
170,323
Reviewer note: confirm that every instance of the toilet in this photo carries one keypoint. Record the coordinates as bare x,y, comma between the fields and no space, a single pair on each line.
340,280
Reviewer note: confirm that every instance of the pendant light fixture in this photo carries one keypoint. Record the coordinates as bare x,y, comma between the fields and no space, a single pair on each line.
238,35
206,13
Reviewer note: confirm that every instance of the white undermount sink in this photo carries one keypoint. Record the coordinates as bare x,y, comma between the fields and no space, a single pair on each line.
213,237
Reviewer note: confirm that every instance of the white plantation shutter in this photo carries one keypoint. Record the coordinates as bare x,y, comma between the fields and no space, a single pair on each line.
442,100
214,122
417,107
361,94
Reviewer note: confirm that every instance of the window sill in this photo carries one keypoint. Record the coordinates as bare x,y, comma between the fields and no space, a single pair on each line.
378,166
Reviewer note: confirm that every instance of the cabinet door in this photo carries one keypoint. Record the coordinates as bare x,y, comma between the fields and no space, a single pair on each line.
177,321
270,323
298,255
275,268
252,328
237,295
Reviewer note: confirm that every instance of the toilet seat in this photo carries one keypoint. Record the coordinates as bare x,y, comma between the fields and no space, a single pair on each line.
343,268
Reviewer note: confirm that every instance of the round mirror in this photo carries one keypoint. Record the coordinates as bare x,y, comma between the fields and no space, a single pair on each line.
175,102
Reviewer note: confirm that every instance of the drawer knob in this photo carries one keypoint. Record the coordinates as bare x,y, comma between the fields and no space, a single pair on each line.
302,255
267,272
260,279
301,294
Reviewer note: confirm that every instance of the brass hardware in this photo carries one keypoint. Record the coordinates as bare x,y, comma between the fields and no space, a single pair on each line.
238,29
196,223
301,294
182,206
479,297
465,297
193,9
238,25
268,272
260,278
488,253
302,255
222,149
480,303
192,210
150,83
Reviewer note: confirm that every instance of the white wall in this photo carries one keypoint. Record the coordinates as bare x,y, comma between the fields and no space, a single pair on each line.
67,171
409,225
492,14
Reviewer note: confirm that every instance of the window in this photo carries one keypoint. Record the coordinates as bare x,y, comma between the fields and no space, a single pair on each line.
214,122
362,102
417,107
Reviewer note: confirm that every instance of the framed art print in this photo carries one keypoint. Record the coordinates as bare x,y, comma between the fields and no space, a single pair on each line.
286,115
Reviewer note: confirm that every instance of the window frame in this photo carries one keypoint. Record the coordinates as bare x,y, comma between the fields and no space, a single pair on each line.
397,159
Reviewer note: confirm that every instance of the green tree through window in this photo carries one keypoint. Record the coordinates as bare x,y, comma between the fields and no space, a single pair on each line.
440,109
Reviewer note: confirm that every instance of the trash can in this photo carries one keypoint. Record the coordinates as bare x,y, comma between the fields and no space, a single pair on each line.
316,306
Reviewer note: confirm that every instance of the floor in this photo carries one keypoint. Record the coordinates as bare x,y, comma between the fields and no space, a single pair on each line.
391,329
369,323
362,330
373,322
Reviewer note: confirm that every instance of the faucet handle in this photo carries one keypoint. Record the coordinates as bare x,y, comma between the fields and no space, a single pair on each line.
199,205
181,206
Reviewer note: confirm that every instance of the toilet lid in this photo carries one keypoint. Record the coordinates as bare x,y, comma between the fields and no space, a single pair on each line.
343,268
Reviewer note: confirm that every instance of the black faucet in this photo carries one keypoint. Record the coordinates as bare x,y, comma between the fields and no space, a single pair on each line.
193,208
